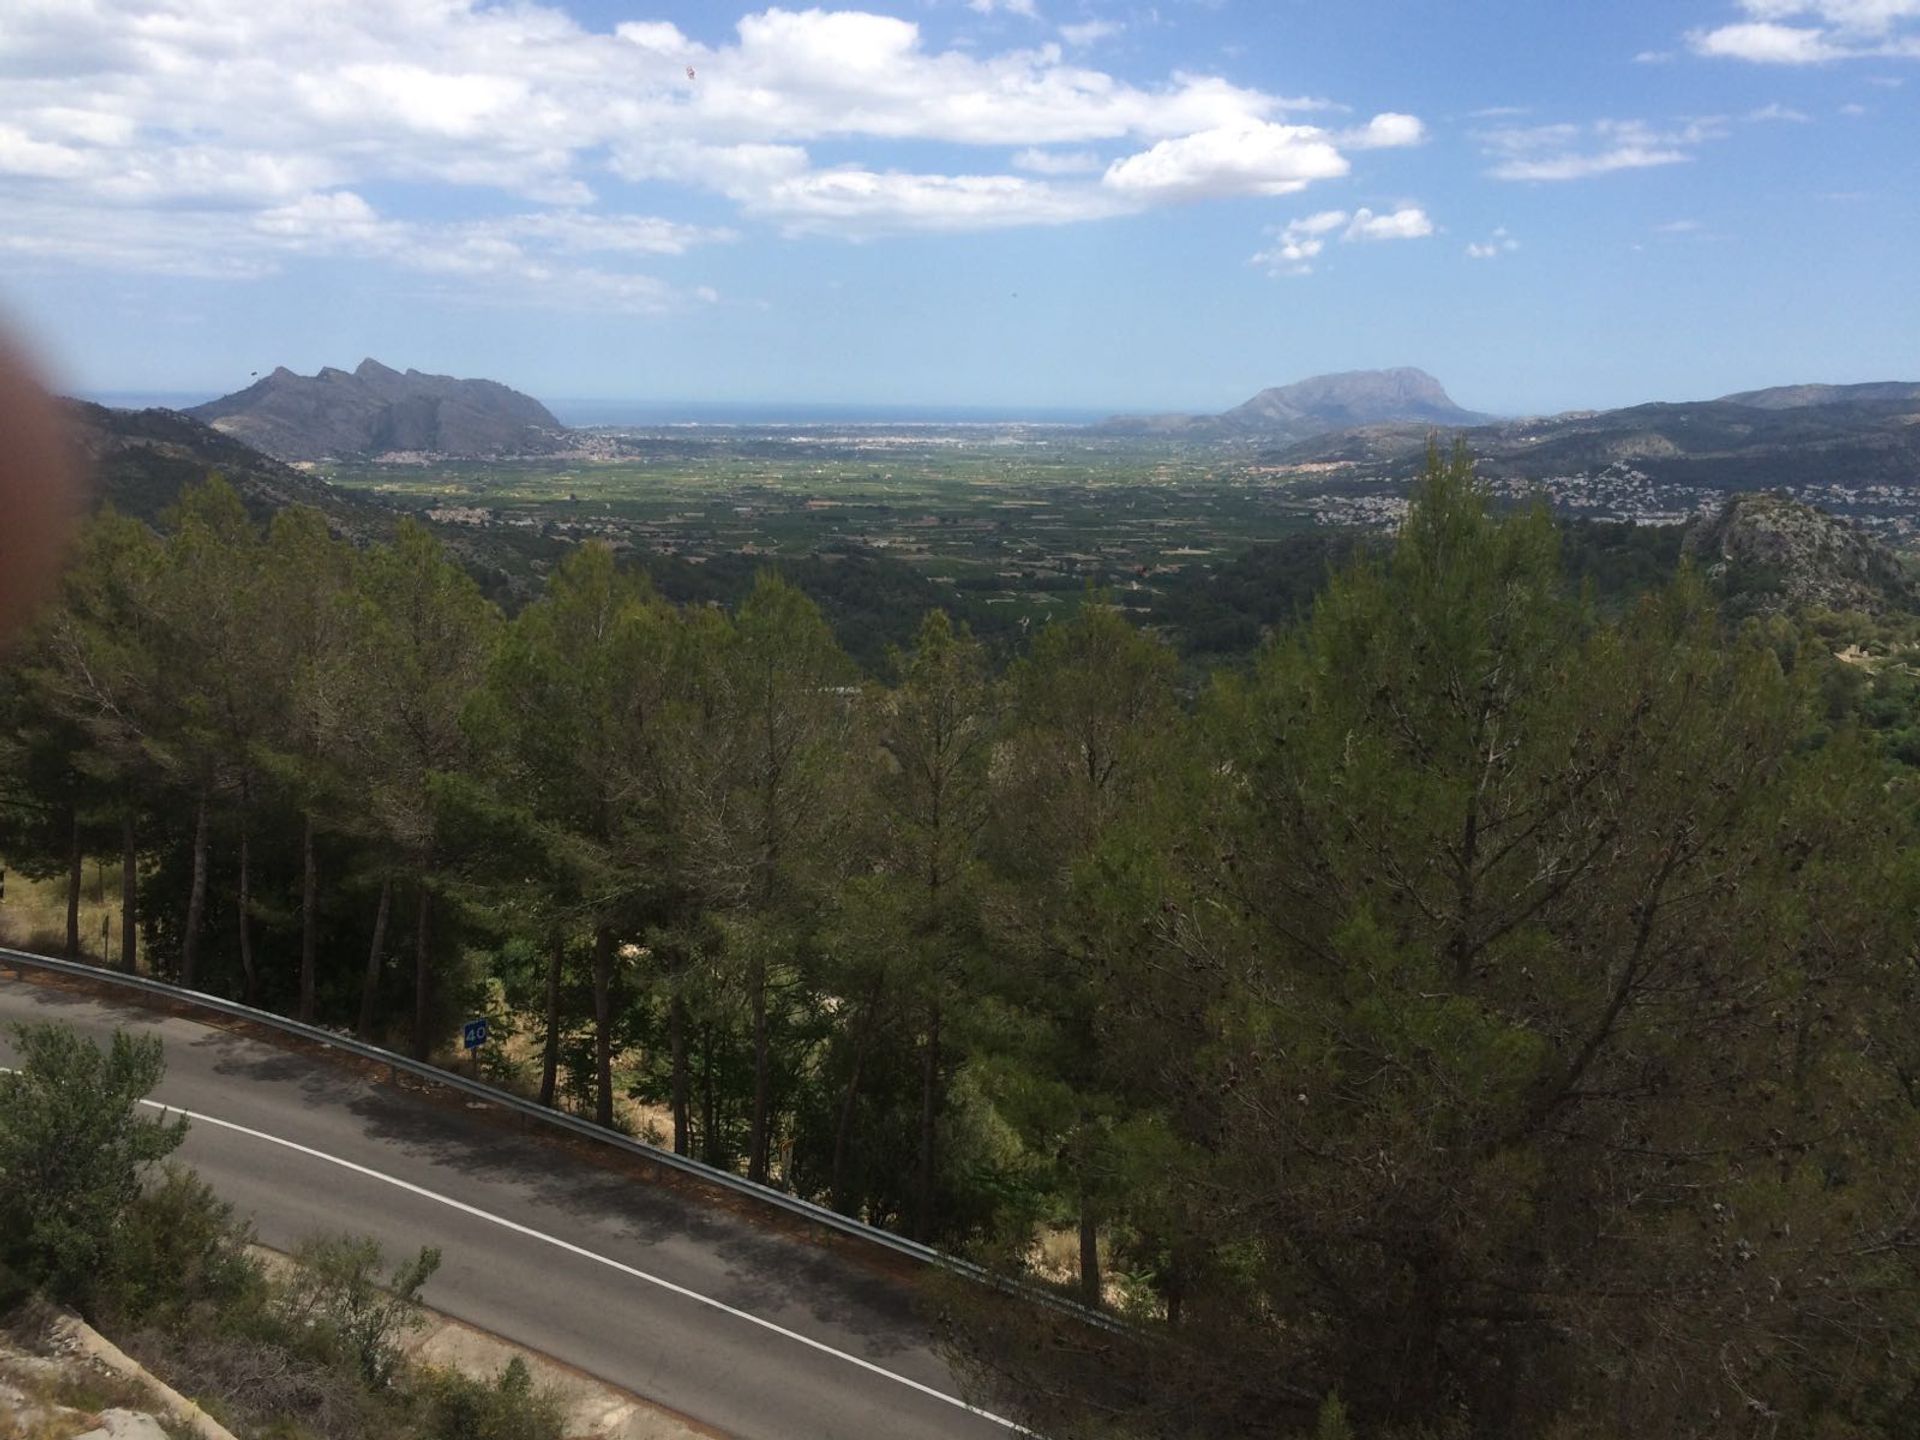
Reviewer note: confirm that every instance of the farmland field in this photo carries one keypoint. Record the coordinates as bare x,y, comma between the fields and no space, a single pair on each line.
1014,515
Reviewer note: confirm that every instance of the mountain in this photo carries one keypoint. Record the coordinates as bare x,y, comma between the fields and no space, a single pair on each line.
140,461
376,410
1704,446
1316,406
1795,397
1770,553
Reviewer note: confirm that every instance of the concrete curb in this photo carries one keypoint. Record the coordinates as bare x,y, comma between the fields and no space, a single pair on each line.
71,1331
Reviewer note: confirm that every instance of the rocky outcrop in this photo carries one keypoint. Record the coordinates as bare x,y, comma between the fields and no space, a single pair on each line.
1772,553
376,410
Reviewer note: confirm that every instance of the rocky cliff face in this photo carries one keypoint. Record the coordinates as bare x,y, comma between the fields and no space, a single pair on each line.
375,410
1772,553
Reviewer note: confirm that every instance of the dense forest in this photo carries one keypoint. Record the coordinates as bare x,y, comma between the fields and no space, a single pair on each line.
1488,1011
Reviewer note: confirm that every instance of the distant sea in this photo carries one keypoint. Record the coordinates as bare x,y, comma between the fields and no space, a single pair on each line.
702,412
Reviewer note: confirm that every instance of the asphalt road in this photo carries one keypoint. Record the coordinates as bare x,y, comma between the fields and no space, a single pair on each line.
753,1332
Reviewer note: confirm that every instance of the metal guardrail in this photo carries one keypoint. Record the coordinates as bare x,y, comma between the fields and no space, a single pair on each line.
806,1210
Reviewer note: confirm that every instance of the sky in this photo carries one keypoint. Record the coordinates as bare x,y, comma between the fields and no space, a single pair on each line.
1079,204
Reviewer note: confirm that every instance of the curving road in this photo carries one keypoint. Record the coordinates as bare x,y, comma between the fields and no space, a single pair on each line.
748,1330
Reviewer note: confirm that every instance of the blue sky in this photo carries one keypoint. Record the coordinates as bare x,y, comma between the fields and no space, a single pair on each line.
1034,203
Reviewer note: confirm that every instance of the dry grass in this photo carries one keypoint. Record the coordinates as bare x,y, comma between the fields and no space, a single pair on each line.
34,914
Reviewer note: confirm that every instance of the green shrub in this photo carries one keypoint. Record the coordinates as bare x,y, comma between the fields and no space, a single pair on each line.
74,1150
338,1297
180,1249
454,1407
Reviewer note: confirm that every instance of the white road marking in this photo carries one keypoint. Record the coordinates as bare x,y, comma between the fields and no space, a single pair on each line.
586,1254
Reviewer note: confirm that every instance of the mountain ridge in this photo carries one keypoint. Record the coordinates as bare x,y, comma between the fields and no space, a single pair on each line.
374,410
1317,405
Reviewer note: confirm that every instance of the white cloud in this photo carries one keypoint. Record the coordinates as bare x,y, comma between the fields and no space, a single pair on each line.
1574,152
1777,111
1301,241
1814,32
1853,110
1498,244
1385,132
1407,223
237,125
1090,32
1250,158
1012,7
1679,227
857,202
1058,162
1765,44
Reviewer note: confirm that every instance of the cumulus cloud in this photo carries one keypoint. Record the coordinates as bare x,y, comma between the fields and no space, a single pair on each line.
239,125
1250,158
1498,244
1406,223
1301,241
1814,32
1385,132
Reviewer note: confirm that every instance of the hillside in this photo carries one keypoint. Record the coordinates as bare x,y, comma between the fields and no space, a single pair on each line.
1769,553
1316,406
1793,397
1704,448
140,461
375,410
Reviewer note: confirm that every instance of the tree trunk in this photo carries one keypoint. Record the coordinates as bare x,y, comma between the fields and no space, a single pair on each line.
759,1141
196,899
709,1117
550,1059
370,987
677,1043
309,925
843,1130
423,972
76,865
1090,1286
129,892
929,1106
252,976
603,1025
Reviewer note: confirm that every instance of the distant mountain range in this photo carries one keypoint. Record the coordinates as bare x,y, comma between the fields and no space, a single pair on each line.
1793,436
375,410
1315,406
1797,397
